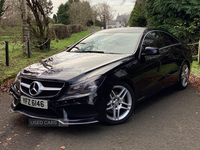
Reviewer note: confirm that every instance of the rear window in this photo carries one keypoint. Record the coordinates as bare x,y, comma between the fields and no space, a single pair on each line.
168,39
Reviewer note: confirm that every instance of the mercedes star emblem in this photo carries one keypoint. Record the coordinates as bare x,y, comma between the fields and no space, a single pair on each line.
35,88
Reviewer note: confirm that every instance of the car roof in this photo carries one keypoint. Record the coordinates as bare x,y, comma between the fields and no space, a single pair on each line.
124,30
130,30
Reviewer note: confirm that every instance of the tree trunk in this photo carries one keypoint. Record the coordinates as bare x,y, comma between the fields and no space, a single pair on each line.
26,30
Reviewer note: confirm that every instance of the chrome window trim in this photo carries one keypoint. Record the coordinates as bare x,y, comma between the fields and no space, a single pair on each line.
161,47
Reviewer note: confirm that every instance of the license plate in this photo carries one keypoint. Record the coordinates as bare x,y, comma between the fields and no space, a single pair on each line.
36,103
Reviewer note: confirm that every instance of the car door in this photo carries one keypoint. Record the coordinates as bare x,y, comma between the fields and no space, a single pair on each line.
147,72
170,59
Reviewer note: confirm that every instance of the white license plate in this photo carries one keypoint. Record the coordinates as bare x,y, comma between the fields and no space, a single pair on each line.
43,104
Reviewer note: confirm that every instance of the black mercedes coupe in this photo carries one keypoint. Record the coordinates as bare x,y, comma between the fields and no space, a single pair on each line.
101,77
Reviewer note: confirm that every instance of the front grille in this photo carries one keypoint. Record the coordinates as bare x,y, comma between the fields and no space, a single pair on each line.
44,89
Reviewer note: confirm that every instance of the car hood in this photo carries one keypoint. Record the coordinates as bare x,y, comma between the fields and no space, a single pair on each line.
67,65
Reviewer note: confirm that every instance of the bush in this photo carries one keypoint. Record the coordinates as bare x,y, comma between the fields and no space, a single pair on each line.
60,31
65,31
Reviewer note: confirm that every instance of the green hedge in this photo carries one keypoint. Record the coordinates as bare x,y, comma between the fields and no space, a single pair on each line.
65,31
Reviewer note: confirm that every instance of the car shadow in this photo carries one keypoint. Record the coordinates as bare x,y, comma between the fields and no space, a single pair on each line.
158,97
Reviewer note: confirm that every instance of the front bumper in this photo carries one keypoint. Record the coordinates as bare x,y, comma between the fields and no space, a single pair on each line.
76,112
63,121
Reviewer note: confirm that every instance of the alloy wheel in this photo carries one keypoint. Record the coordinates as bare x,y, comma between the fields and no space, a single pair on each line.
120,105
184,75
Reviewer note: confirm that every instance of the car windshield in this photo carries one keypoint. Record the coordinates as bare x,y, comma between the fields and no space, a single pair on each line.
108,43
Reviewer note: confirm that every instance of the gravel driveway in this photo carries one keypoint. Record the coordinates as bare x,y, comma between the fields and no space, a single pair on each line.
170,120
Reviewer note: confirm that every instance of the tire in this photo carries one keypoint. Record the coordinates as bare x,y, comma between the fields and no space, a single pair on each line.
120,105
184,76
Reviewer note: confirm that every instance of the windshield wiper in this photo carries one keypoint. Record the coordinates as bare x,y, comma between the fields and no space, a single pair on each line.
87,51
93,51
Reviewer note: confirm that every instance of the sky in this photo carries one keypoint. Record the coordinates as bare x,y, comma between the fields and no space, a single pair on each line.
116,5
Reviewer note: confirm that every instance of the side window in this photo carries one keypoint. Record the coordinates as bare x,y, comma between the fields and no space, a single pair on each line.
152,39
168,39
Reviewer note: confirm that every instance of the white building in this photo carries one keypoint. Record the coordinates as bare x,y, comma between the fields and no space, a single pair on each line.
121,21
111,24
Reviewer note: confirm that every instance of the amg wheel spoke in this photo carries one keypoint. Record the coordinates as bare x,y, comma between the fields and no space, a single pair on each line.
183,78
182,75
122,91
111,98
186,71
109,108
118,114
114,95
109,103
125,92
187,78
126,108
114,113
126,104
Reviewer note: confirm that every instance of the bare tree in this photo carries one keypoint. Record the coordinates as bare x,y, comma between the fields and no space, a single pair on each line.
2,8
105,12
80,12
94,15
47,6
12,16
26,29
39,25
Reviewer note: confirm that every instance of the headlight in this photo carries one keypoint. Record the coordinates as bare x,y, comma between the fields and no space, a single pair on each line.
86,87
16,83
17,77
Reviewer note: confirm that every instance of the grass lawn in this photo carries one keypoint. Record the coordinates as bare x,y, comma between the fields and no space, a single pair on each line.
195,68
17,60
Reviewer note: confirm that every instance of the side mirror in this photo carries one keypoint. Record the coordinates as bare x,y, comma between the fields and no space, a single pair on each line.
151,51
